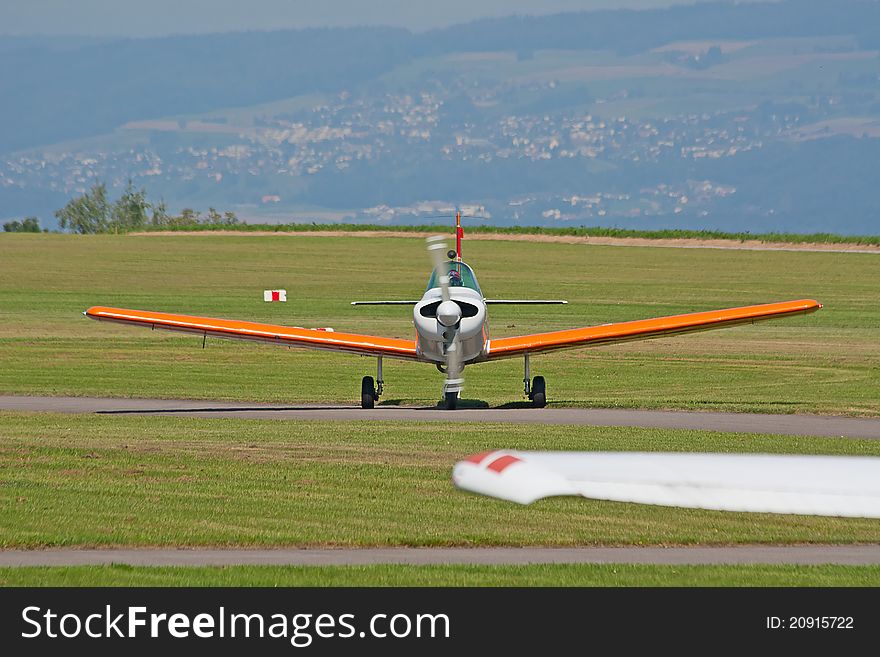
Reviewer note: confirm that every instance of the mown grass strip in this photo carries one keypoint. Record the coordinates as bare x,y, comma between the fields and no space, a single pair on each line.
569,231
168,481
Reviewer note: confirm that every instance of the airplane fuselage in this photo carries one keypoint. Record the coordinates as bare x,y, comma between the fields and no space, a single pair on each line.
434,332
433,338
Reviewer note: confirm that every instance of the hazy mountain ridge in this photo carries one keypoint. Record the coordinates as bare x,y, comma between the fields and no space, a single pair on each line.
61,92
54,96
564,119
630,30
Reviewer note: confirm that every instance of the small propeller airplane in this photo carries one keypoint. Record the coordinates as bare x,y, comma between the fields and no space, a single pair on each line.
452,331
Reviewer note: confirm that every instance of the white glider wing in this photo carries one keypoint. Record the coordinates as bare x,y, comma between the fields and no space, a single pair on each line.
811,485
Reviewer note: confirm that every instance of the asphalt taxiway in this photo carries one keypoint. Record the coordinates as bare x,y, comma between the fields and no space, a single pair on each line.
853,555
796,425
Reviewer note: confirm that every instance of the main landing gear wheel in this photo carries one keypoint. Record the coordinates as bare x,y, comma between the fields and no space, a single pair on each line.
368,392
538,393
536,389
451,400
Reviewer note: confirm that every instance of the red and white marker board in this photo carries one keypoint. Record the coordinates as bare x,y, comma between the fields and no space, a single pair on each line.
274,295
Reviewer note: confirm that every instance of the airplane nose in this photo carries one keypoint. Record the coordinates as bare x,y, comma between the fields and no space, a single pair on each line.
448,313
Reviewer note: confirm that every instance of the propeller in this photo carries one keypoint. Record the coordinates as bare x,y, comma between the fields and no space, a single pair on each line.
448,316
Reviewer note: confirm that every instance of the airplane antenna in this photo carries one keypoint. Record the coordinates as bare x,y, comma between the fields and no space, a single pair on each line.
459,233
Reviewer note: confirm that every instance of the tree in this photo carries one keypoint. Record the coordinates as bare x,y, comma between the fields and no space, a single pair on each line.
129,212
214,218
189,216
160,214
27,225
93,213
87,214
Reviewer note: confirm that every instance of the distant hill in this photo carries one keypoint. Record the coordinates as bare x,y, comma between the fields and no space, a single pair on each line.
52,96
629,30
55,90
734,116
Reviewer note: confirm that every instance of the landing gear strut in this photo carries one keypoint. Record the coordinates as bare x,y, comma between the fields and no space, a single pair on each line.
370,393
537,389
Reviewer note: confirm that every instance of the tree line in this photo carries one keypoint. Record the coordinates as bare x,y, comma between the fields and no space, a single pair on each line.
94,213
26,225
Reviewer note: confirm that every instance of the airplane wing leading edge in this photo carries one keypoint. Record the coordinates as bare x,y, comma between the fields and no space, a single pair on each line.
645,328
287,336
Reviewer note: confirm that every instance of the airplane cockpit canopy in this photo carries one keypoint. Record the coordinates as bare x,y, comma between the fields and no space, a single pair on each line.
460,275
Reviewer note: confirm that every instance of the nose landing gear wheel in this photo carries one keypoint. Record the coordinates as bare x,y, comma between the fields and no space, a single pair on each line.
368,392
538,393
451,400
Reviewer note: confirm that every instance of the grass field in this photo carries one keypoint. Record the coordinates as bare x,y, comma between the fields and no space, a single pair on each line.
76,480
125,480
545,575
828,362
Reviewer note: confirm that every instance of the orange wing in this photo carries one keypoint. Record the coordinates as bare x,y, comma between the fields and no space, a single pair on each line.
645,328
287,336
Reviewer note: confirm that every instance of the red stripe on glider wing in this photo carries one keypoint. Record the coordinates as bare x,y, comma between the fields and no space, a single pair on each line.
502,463
478,458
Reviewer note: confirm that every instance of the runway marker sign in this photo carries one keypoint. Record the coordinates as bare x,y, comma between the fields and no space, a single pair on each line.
274,295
